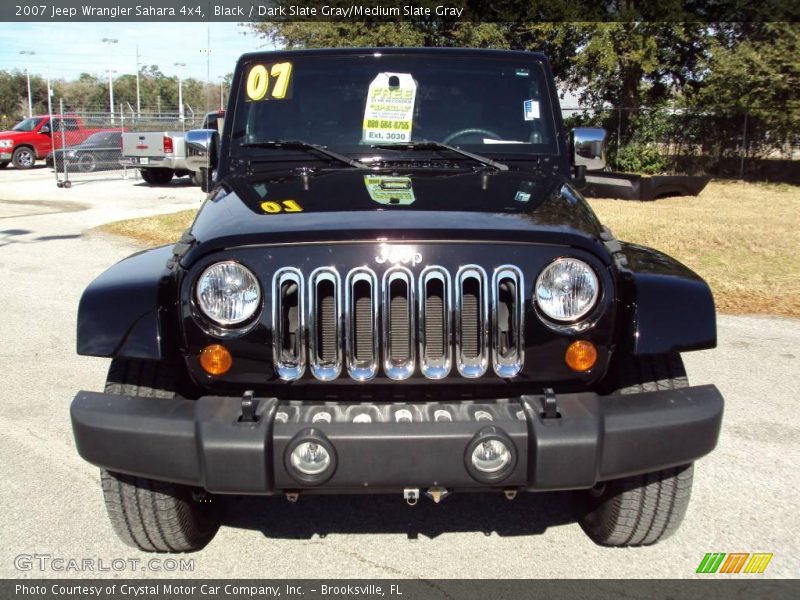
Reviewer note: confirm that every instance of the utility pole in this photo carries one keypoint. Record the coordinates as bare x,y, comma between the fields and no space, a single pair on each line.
28,76
110,41
138,98
221,91
180,91
208,62
111,92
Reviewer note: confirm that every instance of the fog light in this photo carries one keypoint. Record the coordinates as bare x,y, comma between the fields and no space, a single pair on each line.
310,458
581,355
490,456
216,360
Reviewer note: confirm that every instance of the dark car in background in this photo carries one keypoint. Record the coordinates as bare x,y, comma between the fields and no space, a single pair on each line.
101,150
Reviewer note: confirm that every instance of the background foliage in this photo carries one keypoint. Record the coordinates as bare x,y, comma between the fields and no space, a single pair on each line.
661,89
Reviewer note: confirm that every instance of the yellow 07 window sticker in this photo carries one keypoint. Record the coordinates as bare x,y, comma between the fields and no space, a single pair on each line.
269,81
272,207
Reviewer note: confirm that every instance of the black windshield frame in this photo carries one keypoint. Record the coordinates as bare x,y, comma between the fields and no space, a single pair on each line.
535,64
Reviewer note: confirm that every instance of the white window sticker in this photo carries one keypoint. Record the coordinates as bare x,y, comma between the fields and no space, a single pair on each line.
530,109
390,190
389,112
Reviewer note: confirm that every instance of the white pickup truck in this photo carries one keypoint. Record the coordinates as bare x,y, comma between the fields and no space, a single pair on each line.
161,155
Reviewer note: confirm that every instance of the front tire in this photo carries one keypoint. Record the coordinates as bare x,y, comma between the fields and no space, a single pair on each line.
643,509
155,516
23,158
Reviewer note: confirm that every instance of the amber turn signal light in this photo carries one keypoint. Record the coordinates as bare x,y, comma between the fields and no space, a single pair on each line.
216,360
581,355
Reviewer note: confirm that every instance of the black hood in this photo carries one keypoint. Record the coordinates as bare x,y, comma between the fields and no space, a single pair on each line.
354,204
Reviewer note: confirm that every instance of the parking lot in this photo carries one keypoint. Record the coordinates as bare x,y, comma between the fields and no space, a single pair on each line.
744,497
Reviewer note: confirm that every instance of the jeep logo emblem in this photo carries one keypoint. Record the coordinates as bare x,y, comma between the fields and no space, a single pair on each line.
398,255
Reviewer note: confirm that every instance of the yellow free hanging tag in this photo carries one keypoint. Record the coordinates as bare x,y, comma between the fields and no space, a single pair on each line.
389,112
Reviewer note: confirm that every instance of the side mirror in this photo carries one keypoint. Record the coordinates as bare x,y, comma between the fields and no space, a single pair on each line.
589,148
201,149
45,129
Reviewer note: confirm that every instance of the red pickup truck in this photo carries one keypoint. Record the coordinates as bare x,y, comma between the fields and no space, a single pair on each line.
33,138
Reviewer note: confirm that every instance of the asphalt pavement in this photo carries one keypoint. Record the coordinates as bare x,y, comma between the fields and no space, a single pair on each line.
744,497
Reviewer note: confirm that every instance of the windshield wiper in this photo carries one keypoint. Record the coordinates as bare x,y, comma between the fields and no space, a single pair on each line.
429,145
301,145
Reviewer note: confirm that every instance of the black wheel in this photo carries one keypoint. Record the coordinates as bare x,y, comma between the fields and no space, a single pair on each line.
3,165
155,516
206,179
644,509
157,176
23,158
87,163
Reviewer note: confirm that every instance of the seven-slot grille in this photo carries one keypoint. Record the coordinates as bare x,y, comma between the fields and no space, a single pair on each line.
363,323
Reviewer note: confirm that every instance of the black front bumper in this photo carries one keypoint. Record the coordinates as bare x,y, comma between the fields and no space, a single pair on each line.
204,443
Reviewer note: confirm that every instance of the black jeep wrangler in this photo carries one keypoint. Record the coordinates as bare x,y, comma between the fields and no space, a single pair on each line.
395,286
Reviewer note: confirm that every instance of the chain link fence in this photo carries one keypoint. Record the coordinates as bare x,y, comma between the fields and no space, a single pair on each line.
755,145
88,144
94,145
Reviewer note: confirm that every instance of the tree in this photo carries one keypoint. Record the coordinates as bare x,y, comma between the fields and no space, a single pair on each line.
755,72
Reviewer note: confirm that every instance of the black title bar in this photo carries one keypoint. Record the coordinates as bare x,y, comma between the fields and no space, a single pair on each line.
712,588
511,11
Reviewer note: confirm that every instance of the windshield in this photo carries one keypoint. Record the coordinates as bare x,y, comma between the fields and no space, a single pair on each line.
26,125
104,138
489,105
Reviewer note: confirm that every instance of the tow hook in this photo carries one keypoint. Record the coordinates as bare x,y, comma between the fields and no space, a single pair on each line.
510,494
411,495
249,406
292,496
437,493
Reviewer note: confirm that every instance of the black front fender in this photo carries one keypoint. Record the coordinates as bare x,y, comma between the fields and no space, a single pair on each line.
669,307
120,313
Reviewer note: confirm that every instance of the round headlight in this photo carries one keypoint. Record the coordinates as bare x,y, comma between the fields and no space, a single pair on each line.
228,293
567,289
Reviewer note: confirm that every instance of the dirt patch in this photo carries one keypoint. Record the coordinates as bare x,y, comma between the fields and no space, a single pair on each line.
30,208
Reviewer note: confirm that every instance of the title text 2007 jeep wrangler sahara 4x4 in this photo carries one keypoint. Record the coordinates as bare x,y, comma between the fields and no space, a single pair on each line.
395,287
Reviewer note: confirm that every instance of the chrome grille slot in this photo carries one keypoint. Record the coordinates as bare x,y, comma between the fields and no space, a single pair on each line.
361,323
391,321
508,321
435,306
288,330
398,323
472,321
324,318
